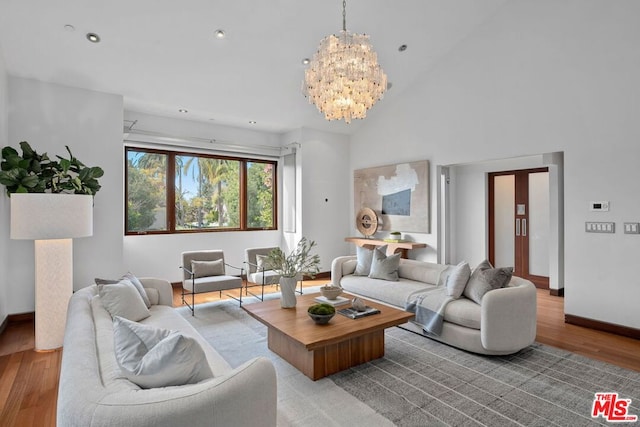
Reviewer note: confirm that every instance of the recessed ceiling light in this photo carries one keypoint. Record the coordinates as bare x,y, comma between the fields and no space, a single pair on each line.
306,61
93,37
183,110
220,34
69,27
402,48
252,122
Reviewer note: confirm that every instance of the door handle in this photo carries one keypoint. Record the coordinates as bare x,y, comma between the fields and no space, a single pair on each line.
524,227
517,226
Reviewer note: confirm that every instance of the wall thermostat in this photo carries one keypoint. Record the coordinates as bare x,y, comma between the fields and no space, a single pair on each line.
599,206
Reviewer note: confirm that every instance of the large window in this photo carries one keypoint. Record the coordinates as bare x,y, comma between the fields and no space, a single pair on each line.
208,192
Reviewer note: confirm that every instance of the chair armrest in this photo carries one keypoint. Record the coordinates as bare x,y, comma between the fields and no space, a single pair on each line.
165,291
339,269
508,319
189,272
237,268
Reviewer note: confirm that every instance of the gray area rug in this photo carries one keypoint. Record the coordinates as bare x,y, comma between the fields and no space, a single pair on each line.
421,382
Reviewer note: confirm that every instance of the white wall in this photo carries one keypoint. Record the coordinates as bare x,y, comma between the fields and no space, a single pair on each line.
325,199
49,117
4,201
539,76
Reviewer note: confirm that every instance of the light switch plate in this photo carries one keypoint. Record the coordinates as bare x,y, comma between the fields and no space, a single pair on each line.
602,206
599,227
631,228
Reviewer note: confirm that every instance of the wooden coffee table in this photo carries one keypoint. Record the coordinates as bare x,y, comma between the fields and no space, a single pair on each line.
321,350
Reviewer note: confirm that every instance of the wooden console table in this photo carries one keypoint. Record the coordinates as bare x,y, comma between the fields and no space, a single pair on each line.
392,247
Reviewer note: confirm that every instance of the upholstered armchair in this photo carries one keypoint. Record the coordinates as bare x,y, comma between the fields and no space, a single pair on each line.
205,271
257,274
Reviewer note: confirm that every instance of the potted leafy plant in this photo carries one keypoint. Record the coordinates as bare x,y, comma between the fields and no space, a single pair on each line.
37,173
300,262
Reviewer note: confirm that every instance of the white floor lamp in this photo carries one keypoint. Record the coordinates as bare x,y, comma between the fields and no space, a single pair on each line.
52,220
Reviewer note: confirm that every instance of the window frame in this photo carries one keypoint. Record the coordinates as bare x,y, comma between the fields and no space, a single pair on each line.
170,193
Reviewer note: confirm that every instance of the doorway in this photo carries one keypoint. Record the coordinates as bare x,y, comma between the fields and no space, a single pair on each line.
519,223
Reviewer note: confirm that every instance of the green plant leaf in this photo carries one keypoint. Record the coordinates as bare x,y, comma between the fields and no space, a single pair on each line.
27,151
37,173
9,151
65,165
30,181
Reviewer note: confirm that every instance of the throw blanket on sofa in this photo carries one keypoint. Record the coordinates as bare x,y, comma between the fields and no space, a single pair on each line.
429,309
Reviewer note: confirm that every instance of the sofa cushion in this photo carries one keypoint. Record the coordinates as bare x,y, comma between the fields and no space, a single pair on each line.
269,277
123,299
463,312
384,267
134,281
364,257
151,357
108,369
394,293
207,268
422,271
457,280
485,278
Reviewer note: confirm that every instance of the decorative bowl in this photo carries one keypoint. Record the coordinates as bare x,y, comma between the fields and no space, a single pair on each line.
321,319
321,313
330,291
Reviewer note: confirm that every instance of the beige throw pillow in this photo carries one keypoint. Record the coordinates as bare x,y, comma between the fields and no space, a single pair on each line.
151,357
207,268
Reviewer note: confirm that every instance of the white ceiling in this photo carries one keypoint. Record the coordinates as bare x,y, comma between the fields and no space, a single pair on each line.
161,55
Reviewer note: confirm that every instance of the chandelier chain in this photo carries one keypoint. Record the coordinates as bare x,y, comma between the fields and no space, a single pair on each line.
344,15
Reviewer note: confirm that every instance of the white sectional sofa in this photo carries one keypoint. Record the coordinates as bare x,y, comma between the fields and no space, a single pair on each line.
93,392
504,322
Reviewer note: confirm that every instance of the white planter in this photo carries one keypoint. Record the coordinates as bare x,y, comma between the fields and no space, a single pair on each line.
288,292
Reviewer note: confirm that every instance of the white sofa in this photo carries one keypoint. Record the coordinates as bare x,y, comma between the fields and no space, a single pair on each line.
504,323
93,392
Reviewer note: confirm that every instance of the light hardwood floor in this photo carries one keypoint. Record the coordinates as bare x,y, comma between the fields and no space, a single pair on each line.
28,379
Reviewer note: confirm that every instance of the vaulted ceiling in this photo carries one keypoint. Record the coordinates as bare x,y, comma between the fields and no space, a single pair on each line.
162,55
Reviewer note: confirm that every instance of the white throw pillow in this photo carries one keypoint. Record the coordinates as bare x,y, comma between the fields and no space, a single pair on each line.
261,262
365,257
151,357
384,267
123,299
134,281
458,279
207,268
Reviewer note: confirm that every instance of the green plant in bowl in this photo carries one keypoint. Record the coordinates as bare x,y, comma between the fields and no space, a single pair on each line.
321,313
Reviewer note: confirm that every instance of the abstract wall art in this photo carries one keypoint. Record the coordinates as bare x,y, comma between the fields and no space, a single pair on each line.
398,193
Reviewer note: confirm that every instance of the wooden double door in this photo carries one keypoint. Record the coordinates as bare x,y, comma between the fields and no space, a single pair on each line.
519,223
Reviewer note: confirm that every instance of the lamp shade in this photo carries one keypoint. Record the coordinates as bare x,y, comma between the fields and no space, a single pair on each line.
41,216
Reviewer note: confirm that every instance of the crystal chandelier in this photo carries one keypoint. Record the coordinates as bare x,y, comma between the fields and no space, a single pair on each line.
344,79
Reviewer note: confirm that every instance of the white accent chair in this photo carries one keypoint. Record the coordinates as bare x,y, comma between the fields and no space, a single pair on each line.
205,271
257,275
